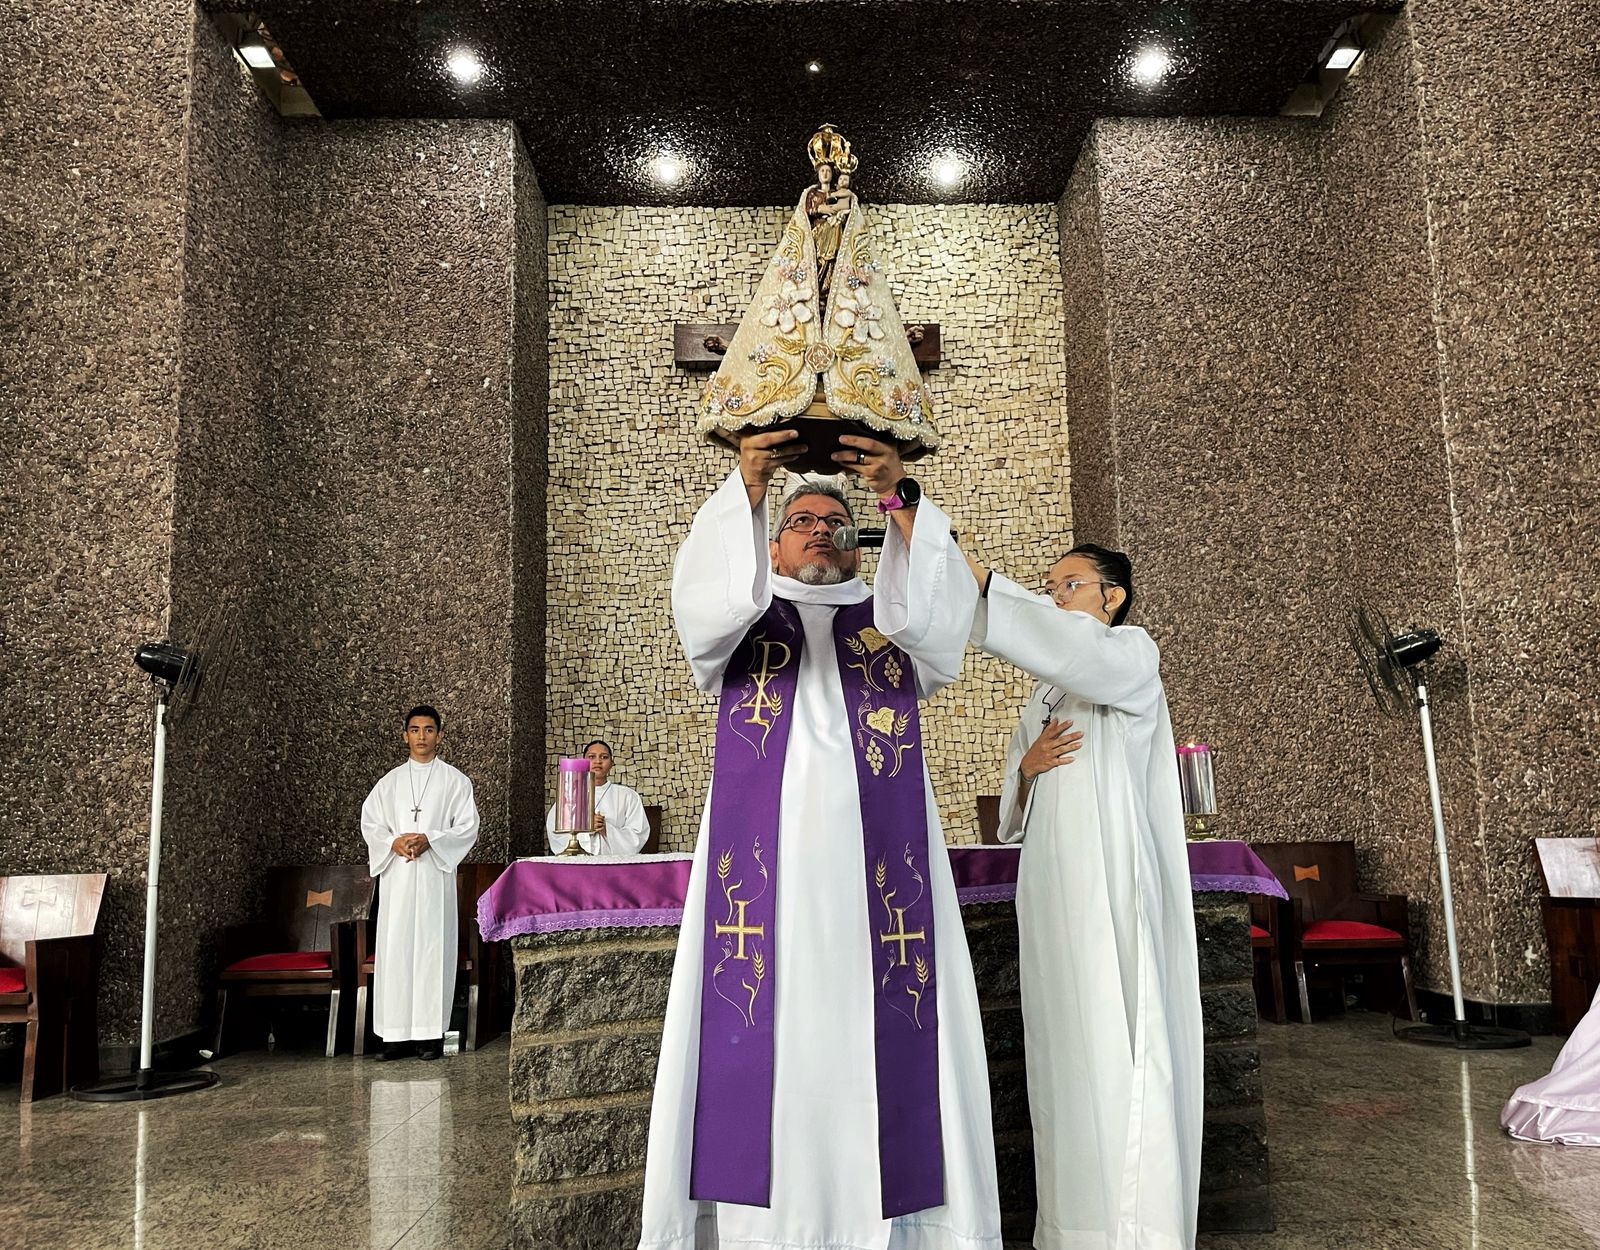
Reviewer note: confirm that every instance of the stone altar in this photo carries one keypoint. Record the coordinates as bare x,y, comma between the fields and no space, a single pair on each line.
589,1009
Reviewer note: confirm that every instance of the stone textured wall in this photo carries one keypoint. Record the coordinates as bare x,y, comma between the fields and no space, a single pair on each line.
391,552
1316,380
301,366
627,472
93,298
1512,170
586,1035
216,784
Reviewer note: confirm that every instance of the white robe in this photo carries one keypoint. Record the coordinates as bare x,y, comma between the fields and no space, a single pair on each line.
825,1184
414,972
1110,978
627,827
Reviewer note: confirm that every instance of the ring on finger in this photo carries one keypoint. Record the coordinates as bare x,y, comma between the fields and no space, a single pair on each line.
861,457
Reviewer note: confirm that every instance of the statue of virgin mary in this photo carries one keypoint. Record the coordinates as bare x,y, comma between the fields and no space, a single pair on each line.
821,349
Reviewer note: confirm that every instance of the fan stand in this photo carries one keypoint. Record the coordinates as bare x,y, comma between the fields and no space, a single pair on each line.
147,1083
1459,1034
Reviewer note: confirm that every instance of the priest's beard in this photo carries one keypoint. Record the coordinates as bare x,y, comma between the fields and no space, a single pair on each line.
820,574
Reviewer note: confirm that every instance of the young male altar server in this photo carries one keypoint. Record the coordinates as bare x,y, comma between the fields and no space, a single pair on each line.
419,823
1110,979
822,1080
620,825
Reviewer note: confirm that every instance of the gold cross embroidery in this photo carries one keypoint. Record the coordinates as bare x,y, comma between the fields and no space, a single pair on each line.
900,935
741,930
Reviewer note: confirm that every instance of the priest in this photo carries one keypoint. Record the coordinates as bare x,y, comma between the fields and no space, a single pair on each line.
822,1079
620,824
419,822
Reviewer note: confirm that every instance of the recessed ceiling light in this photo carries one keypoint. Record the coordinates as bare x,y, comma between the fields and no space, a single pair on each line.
813,67
667,170
256,55
948,170
464,66
1149,65
1345,54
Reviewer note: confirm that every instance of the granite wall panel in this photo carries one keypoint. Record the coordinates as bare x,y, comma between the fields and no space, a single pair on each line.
1351,357
398,400
1511,164
92,195
627,472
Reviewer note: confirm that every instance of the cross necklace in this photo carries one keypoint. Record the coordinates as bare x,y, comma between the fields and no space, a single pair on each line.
1050,707
416,799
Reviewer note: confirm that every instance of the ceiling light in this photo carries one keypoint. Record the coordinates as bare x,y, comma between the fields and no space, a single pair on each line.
464,66
667,170
948,170
1149,65
813,67
255,55
1345,54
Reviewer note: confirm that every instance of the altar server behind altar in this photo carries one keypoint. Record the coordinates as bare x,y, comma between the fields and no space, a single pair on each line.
822,1079
419,822
620,825
1110,980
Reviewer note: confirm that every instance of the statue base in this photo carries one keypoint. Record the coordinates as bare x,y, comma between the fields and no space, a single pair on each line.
821,436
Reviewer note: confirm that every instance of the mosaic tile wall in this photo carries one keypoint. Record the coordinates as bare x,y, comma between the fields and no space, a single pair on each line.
626,471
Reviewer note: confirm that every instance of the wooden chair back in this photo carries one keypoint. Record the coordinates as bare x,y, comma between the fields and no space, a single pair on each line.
304,901
53,906
652,844
471,882
1321,875
989,819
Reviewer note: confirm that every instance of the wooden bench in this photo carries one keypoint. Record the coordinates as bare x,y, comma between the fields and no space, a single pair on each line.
652,814
49,976
303,946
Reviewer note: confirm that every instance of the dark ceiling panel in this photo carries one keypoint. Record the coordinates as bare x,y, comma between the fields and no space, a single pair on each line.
602,87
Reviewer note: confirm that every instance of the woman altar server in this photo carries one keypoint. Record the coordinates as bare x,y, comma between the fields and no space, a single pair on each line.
620,825
1110,979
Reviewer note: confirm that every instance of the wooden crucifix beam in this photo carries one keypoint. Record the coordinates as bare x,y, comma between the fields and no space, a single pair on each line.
700,348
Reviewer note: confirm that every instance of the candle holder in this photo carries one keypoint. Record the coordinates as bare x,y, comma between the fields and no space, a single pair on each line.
574,802
1198,784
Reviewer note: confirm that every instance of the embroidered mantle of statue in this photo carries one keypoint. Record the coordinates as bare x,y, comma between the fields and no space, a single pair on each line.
821,348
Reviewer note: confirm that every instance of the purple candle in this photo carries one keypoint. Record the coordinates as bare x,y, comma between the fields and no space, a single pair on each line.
574,797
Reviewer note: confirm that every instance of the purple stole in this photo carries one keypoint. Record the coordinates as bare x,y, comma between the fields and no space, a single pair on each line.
733,1104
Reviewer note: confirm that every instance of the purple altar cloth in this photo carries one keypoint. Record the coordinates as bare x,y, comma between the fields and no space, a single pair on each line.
551,894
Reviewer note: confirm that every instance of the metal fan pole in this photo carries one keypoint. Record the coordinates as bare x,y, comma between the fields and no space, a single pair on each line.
1426,717
158,785
1458,1033
147,1083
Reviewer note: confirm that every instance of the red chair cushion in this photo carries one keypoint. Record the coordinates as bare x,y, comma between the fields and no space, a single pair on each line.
1256,931
13,981
285,961
1348,931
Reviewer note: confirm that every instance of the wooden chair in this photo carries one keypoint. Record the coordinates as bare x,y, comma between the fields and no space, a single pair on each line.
989,819
1266,922
652,844
1333,925
479,961
1570,870
49,977
303,946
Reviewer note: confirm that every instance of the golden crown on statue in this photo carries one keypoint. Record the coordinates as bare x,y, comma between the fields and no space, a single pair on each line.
829,147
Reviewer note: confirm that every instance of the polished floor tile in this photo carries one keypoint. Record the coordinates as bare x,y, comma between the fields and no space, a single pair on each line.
1379,1144
291,1152
1376,1145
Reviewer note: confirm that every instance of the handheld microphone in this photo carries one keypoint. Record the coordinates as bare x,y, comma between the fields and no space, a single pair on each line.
850,537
